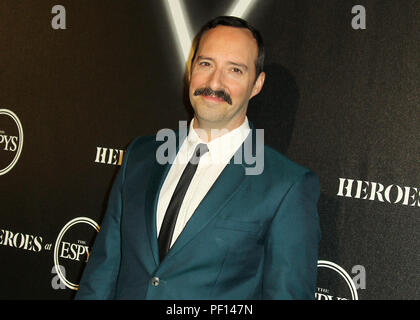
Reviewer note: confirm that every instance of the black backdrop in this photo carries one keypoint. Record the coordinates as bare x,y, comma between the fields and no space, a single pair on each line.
342,101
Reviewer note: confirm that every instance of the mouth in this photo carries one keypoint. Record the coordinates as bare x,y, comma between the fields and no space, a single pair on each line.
214,99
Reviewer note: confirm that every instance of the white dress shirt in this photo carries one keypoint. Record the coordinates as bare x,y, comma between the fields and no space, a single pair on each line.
212,163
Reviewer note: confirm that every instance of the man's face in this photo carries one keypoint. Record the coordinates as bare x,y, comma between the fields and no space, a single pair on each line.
225,62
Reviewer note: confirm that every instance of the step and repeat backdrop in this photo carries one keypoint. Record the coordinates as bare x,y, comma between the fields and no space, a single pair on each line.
80,79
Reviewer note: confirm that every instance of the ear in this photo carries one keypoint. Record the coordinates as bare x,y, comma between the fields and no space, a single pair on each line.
258,84
188,76
189,66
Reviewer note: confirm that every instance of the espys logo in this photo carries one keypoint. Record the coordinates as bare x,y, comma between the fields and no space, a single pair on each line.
72,247
334,283
11,140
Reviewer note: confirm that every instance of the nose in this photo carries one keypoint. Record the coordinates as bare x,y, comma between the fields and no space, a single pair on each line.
215,81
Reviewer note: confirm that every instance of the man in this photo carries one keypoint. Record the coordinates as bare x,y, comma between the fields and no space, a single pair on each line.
204,228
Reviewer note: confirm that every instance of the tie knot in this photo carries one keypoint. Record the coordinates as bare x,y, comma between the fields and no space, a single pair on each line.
200,150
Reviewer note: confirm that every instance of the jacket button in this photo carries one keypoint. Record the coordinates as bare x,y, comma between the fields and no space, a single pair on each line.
155,281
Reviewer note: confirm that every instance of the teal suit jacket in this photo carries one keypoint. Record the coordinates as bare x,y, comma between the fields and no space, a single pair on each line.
251,237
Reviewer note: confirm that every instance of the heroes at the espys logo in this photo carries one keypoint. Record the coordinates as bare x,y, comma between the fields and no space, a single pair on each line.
11,140
72,249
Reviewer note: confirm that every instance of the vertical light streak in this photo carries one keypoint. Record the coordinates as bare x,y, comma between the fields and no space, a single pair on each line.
180,27
241,8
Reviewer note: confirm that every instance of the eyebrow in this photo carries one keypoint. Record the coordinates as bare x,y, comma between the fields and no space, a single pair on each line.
230,62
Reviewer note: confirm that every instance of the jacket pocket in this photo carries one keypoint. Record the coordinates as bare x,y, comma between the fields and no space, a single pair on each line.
245,226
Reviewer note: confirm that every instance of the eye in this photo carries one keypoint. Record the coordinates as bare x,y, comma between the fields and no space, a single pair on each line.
237,70
204,64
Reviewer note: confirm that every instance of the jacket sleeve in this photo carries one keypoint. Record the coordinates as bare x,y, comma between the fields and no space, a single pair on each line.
291,247
100,275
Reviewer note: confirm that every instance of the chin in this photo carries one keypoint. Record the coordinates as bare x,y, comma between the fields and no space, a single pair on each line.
209,117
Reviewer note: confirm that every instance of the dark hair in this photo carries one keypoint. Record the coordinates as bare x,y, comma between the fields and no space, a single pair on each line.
237,23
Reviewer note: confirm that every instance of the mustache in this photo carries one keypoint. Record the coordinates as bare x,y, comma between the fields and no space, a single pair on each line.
210,92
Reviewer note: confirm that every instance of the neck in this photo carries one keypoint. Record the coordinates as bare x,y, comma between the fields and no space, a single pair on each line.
209,131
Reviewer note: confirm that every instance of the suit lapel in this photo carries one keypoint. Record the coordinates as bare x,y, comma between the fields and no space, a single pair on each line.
157,177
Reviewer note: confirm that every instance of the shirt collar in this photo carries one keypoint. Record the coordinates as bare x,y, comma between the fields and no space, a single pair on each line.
222,148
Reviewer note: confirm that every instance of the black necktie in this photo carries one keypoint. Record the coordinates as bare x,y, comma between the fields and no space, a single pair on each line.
169,221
